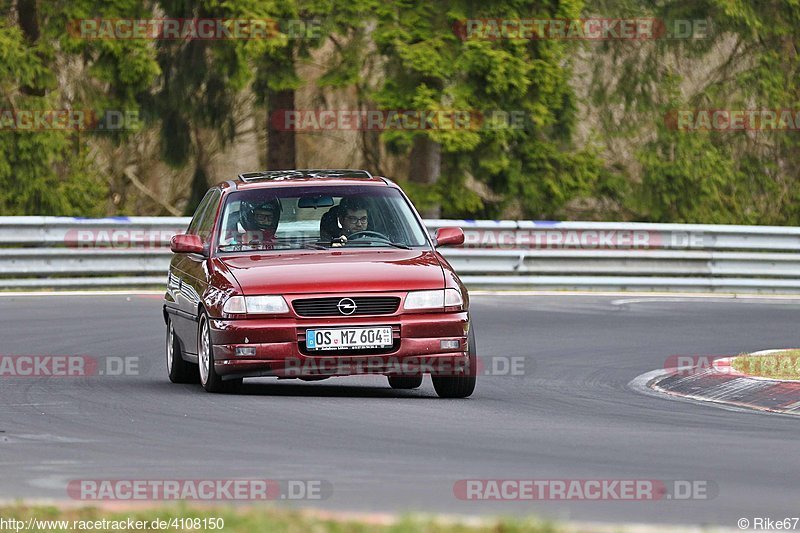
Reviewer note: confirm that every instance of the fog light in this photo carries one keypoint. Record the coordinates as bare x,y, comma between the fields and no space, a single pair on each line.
245,351
450,345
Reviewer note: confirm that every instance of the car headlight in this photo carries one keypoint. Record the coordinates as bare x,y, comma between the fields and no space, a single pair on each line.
266,305
436,299
234,306
256,305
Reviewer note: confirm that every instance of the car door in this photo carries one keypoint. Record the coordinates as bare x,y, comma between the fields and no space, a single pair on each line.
188,279
195,266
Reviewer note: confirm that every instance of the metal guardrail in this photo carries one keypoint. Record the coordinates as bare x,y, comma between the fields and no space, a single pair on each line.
56,252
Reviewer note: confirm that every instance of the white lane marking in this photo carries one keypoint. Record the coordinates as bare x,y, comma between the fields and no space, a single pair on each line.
769,351
642,296
49,482
771,299
29,438
79,293
36,404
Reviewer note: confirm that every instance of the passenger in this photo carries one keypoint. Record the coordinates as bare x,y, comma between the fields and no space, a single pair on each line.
258,221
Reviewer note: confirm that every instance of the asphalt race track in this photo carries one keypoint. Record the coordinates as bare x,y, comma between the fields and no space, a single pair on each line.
570,416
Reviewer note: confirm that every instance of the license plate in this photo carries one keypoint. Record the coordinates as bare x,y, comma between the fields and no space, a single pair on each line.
336,339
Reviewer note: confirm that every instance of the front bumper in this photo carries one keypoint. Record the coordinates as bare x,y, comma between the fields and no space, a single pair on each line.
280,346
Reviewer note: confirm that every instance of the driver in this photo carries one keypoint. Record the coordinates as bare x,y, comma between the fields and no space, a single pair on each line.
353,215
259,221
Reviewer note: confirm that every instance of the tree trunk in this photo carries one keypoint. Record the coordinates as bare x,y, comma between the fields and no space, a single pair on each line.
281,149
198,190
426,167
28,20
28,17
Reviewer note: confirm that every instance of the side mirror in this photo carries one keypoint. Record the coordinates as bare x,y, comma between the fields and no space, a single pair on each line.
186,244
452,236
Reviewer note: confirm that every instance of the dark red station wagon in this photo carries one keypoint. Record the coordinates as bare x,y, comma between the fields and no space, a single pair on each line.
311,274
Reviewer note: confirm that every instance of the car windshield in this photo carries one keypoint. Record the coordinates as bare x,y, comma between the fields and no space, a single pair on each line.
318,217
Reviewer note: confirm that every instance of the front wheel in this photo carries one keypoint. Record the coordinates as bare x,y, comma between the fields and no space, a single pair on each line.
179,371
209,379
460,386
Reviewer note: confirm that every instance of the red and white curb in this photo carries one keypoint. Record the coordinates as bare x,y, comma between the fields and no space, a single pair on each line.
722,385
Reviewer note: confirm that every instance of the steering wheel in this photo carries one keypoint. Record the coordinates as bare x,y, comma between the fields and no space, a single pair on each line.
358,234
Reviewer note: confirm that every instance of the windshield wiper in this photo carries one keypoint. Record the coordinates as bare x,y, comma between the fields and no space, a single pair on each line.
399,245
249,247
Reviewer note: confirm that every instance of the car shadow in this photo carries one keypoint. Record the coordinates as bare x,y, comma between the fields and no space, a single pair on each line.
328,390
331,388
289,388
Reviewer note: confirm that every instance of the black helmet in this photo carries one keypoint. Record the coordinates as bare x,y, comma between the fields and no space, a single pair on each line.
249,219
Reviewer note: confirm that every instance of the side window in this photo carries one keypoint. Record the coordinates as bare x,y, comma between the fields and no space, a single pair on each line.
206,223
199,213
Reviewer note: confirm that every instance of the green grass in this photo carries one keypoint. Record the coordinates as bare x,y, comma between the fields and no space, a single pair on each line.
781,365
254,519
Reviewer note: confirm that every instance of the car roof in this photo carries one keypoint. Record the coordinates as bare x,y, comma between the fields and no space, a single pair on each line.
304,177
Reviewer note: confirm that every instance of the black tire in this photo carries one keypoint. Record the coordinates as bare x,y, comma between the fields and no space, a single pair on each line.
179,371
209,379
463,385
405,382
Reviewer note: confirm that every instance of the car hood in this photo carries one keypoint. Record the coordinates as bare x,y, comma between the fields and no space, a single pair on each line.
316,271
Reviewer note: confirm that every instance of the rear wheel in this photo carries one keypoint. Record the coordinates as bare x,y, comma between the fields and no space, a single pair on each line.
462,385
209,379
405,382
179,371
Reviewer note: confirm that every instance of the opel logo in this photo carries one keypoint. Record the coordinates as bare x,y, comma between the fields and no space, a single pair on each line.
346,306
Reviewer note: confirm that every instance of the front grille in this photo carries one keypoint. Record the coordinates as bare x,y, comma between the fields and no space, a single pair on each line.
365,305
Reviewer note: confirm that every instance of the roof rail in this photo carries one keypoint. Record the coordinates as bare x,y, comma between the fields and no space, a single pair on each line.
304,173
